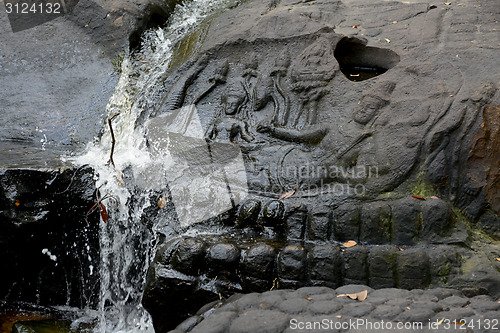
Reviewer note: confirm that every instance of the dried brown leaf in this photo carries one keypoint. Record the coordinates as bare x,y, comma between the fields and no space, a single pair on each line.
162,202
287,195
361,296
418,197
350,243
104,213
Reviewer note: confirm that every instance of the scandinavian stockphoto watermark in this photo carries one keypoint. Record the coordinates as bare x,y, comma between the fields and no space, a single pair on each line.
363,324
208,178
26,14
329,178
205,179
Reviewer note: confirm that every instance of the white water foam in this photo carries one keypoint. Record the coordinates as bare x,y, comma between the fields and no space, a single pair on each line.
126,242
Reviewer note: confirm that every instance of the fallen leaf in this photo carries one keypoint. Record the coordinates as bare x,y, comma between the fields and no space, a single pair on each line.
408,308
308,298
394,22
447,3
497,259
434,197
104,213
355,26
350,243
162,202
17,203
361,296
440,322
339,316
287,195
418,197
401,249
451,95
387,40
459,323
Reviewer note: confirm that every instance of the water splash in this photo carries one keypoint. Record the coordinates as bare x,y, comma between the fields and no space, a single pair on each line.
127,240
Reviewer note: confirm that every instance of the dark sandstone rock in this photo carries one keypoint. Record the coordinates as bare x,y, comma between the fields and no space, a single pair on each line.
117,25
219,324
490,223
188,324
315,119
376,225
394,306
484,162
188,256
257,267
407,221
48,209
296,221
378,266
347,222
259,321
324,307
324,265
320,223
57,78
382,265
273,213
222,258
291,266
437,219
294,306
171,284
249,213
413,269
355,265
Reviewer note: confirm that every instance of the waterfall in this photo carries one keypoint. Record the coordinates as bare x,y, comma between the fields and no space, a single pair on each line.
134,184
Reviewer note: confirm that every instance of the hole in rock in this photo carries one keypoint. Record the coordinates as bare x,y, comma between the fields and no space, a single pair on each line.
155,16
359,62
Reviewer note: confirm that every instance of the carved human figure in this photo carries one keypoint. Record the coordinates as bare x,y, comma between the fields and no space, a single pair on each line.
227,125
364,150
314,68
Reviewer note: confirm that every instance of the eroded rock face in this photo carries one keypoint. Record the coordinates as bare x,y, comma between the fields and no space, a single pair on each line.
484,157
339,119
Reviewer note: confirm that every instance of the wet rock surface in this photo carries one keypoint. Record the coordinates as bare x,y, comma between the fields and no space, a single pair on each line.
371,123
314,309
49,248
57,77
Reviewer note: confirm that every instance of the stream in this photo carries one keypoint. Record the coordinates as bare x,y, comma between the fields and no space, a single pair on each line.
128,239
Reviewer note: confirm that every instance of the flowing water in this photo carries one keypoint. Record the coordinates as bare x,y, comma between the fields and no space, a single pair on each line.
128,239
